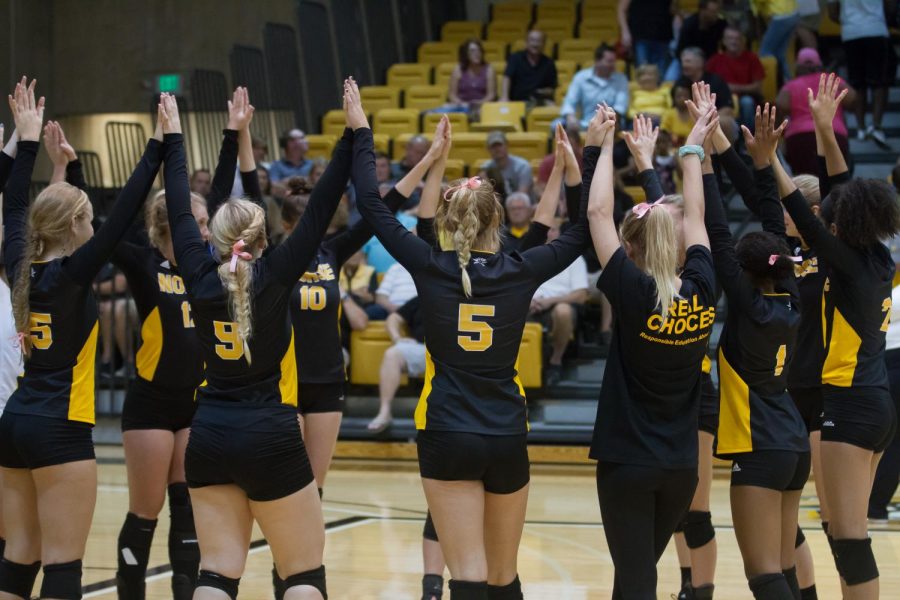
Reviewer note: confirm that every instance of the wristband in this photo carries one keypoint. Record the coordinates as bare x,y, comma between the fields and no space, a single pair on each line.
692,149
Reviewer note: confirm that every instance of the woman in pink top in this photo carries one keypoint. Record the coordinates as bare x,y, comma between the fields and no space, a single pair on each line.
472,82
793,103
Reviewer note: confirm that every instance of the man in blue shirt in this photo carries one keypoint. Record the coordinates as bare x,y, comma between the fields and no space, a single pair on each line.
294,164
596,85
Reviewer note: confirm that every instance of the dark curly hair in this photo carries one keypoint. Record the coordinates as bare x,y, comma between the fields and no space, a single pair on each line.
294,204
754,251
865,211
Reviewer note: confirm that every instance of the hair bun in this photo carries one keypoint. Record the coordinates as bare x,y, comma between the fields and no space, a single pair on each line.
298,186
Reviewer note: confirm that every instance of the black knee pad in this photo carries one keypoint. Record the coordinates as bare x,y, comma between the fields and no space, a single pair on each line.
679,526
468,590
801,539
2,546
432,586
771,586
429,532
314,578
809,593
510,591
698,529
790,575
18,579
184,551
855,560
219,582
277,584
62,581
704,592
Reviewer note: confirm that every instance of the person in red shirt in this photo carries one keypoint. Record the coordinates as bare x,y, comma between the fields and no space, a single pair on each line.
573,132
742,70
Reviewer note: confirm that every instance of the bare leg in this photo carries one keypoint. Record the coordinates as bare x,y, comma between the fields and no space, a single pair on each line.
320,433
504,518
392,367
457,508
860,107
703,559
815,446
563,317
148,457
107,337
224,523
123,321
879,103
757,526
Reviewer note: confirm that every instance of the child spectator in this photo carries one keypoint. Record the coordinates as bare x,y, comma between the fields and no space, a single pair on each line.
648,98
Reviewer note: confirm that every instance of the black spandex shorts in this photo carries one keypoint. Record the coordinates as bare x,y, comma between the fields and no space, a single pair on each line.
871,62
861,416
809,404
709,405
33,441
152,407
780,470
256,446
321,398
499,461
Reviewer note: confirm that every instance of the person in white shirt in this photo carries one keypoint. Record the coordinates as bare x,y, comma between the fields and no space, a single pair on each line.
555,306
396,289
595,85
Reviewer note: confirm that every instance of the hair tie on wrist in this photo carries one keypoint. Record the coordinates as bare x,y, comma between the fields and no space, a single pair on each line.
237,253
774,259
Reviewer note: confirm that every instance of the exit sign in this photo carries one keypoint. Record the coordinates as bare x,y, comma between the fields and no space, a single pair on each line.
169,83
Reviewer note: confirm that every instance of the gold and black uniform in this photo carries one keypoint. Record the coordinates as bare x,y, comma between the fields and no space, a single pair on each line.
47,420
857,309
471,385
245,429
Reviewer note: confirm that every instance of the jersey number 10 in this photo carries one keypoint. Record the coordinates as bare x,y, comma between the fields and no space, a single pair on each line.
475,336
312,297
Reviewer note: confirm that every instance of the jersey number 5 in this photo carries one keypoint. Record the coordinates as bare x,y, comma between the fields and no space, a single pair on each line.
231,347
476,336
886,309
41,336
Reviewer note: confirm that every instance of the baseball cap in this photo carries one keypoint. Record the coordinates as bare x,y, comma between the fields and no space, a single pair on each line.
495,137
809,57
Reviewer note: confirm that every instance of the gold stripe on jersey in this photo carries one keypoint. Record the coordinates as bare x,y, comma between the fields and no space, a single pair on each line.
843,347
734,411
81,395
148,354
521,387
287,384
706,366
422,405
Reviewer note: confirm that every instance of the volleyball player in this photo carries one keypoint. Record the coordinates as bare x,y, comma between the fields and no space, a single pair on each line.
472,414
859,418
245,458
46,449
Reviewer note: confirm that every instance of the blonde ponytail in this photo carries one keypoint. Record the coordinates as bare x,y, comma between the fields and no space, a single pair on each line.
654,236
238,220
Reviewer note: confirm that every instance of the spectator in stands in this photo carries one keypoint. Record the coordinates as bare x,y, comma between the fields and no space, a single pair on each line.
648,98
117,319
376,254
693,69
677,120
407,355
573,133
793,104
315,171
516,170
415,150
871,60
396,289
646,29
596,85
274,223
781,18
358,278
530,74
519,213
555,306
294,162
383,168
472,82
702,30
201,182
260,153
742,71
810,12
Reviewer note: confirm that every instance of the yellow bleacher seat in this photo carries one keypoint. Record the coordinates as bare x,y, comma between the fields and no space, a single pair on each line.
460,31
320,146
519,45
599,31
577,50
367,347
560,94
494,50
442,74
475,166
555,29
530,362
400,143
499,69
600,9
396,121
528,144
556,9
456,169
469,147
378,97
459,122
770,83
512,11
334,122
621,66
540,118
434,53
636,192
403,75
506,31
565,71
503,113
827,26
489,127
424,97
382,143
535,165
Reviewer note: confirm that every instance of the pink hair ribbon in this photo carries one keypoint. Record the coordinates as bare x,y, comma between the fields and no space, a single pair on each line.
237,253
774,259
643,208
473,183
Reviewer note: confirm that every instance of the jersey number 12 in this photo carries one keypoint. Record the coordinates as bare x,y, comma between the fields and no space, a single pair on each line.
475,336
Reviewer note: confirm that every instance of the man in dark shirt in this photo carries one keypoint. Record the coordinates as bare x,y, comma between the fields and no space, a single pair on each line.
530,75
693,68
703,30
646,28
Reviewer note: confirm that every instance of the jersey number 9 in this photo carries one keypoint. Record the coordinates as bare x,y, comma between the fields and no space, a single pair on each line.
476,336
231,347
41,336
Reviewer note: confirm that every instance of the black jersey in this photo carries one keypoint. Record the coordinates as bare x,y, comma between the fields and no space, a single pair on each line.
315,304
59,375
471,382
756,346
857,301
272,374
650,397
169,353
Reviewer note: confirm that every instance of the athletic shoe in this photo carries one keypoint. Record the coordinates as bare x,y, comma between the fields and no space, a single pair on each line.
877,521
880,138
862,134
